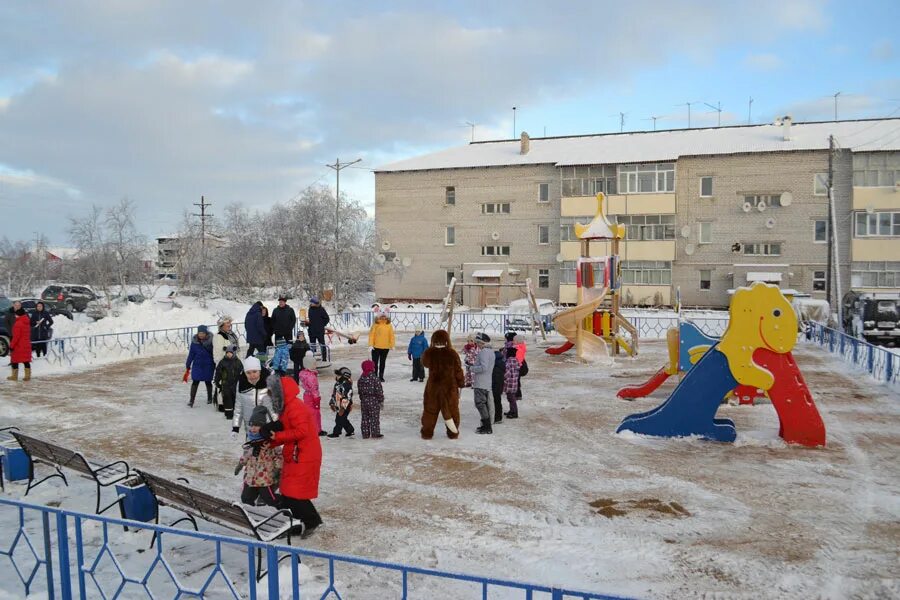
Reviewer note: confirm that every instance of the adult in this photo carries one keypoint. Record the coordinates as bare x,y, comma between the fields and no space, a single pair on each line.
316,320
256,329
41,329
20,345
267,324
224,337
445,377
199,364
381,340
10,317
295,431
482,380
251,392
284,319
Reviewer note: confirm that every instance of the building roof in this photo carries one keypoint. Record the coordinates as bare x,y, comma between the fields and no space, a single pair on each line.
866,135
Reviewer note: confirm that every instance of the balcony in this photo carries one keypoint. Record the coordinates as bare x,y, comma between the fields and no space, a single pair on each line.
874,249
631,204
876,197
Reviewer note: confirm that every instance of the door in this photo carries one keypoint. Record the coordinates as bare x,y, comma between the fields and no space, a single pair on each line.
488,295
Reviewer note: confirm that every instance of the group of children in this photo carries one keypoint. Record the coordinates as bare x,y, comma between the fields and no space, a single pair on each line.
495,372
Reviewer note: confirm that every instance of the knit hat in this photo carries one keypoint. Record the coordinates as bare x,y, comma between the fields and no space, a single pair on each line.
470,337
275,392
510,336
419,330
280,340
313,300
482,337
251,363
343,372
280,298
259,417
309,362
231,348
300,334
224,319
202,329
367,367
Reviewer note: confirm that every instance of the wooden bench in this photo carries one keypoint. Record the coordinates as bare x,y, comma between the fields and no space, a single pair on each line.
265,523
39,450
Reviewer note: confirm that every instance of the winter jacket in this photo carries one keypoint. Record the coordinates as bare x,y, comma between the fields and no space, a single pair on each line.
20,345
470,351
381,336
250,396
9,318
228,373
309,381
521,349
301,449
267,325
254,326
483,369
261,470
200,359
344,388
283,322
317,318
298,350
499,372
370,390
220,340
511,375
41,326
281,359
417,346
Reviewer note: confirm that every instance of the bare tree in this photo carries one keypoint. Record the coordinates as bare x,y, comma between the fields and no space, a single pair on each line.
20,269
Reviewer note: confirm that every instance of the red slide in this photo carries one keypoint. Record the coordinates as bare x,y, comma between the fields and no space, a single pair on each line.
560,349
799,417
630,393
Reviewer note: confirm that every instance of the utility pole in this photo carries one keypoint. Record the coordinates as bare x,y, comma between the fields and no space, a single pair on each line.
203,204
750,111
834,263
338,166
835,105
514,123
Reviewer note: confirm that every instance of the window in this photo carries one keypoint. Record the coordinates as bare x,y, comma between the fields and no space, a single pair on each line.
450,276
543,234
646,179
818,281
648,227
495,208
705,279
880,169
705,232
770,199
567,273
588,181
875,274
495,250
544,192
449,236
450,196
706,187
877,224
821,230
543,278
762,249
647,272
820,184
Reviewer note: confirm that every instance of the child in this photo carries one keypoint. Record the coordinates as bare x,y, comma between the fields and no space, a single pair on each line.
470,351
281,357
417,347
298,351
228,372
499,373
199,365
261,463
521,350
482,380
309,383
371,399
341,402
511,378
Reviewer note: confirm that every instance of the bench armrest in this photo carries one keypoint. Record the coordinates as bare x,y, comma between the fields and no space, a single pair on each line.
282,511
118,462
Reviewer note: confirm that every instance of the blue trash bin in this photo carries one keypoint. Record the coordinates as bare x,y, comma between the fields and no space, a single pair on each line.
15,462
138,504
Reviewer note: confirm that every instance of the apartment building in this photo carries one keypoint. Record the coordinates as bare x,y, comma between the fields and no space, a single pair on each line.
706,210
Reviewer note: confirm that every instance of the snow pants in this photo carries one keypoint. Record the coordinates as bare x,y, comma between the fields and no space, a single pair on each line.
250,495
418,371
483,403
314,403
370,421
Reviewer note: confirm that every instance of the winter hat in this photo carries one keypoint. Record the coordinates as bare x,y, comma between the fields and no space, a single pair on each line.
313,300
510,336
202,329
224,319
260,416
482,337
367,367
280,341
343,372
300,335
309,362
231,348
419,330
282,298
251,363
470,337
275,392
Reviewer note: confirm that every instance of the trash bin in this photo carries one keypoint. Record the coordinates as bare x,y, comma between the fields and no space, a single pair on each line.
138,504
15,461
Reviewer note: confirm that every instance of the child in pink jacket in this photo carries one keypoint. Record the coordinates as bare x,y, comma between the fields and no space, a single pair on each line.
309,383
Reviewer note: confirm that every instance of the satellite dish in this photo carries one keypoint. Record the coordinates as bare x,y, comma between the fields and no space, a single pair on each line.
686,231
407,261
396,261
560,258
689,249
770,223
385,245
870,209
381,258
495,235
747,207
787,198
761,206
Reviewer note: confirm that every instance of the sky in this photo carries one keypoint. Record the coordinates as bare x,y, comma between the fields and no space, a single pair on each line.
246,102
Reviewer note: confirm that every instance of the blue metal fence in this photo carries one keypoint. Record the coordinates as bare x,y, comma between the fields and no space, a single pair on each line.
65,554
881,364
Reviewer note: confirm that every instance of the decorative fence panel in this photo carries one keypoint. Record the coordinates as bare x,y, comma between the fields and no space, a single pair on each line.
55,553
881,364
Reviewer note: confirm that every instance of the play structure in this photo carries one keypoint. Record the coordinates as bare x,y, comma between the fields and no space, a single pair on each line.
686,345
595,324
755,351
534,315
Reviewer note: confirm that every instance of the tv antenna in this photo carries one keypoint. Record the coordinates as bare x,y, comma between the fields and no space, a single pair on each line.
835,105
718,109
654,121
750,111
472,125
689,104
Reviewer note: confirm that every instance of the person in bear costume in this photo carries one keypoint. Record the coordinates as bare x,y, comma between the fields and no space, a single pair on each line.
445,377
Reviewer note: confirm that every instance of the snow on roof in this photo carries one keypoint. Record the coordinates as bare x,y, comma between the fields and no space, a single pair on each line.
656,146
61,252
487,273
765,277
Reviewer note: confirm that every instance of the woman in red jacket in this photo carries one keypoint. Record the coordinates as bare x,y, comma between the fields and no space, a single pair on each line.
298,435
20,346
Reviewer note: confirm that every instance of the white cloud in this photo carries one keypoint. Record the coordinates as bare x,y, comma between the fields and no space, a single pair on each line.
883,51
763,62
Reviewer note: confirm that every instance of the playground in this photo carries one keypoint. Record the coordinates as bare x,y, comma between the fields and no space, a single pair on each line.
556,496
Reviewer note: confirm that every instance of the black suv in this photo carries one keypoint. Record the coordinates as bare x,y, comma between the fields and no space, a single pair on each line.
5,336
72,298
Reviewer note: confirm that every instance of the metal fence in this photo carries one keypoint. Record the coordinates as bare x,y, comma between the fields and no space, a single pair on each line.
881,364
57,553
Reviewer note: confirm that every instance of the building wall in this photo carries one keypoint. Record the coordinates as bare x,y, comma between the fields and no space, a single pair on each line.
411,216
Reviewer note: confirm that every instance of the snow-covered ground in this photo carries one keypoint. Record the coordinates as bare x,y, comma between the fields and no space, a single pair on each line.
554,497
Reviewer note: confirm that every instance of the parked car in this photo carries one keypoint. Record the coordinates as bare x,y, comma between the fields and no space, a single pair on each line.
30,305
98,309
73,298
5,335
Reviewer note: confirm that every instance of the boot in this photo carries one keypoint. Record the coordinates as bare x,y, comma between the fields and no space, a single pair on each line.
27,375
485,427
512,415
15,374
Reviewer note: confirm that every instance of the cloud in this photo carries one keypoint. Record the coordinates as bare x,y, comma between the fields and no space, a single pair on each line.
763,62
883,51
